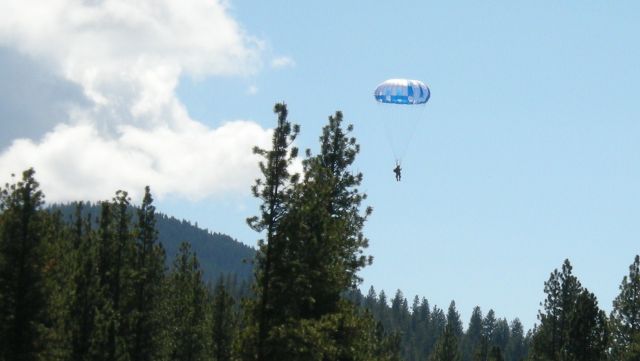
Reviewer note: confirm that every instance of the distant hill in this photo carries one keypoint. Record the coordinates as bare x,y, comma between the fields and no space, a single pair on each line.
219,254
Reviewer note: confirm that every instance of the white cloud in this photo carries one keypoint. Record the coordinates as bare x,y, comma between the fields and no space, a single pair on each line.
76,162
283,62
127,58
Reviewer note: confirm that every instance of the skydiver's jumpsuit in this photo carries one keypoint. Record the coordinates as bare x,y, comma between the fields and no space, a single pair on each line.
397,170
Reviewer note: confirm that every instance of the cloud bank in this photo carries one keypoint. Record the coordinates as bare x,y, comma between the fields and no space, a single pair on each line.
114,66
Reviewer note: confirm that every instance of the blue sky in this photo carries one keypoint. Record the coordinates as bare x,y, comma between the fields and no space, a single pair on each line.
525,155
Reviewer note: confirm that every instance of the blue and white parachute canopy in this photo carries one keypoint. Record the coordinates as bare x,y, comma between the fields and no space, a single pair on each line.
402,91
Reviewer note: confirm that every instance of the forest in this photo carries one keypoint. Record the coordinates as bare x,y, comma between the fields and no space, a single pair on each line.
100,286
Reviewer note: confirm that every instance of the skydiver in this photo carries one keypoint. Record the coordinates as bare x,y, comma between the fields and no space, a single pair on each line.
397,170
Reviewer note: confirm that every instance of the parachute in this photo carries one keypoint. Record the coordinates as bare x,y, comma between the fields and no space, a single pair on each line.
402,91
401,103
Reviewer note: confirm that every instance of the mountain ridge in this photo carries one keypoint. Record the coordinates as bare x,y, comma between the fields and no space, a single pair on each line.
219,254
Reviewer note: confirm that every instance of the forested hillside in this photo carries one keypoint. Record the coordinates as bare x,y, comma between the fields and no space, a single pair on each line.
219,254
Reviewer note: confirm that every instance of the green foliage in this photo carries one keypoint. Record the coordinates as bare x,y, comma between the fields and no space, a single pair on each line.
454,324
625,317
186,308
489,326
516,347
223,323
572,327
23,301
147,276
220,255
473,336
78,287
313,251
81,295
273,190
447,348
495,354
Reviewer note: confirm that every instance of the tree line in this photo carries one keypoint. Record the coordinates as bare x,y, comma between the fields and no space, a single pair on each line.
100,287
79,292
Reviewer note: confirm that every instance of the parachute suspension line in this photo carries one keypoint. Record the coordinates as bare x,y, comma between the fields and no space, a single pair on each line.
400,97
404,136
388,131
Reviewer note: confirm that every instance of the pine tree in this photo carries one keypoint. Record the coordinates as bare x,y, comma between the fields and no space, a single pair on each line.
447,347
515,350
453,320
58,253
501,334
314,251
572,327
495,354
415,336
382,310
115,251
437,327
274,192
148,272
489,326
587,332
324,226
371,300
104,313
481,352
399,311
423,343
474,334
222,324
625,317
550,336
23,303
83,289
187,308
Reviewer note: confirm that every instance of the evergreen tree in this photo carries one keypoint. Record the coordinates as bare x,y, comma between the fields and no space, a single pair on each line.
399,310
550,336
58,253
481,352
222,324
312,256
633,352
453,320
447,348
587,332
83,290
625,317
572,327
437,327
100,348
22,293
423,344
187,308
501,334
415,336
382,313
495,354
148,279
371,300
473,337
515,350
273,190
115,257
489,326
324,226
